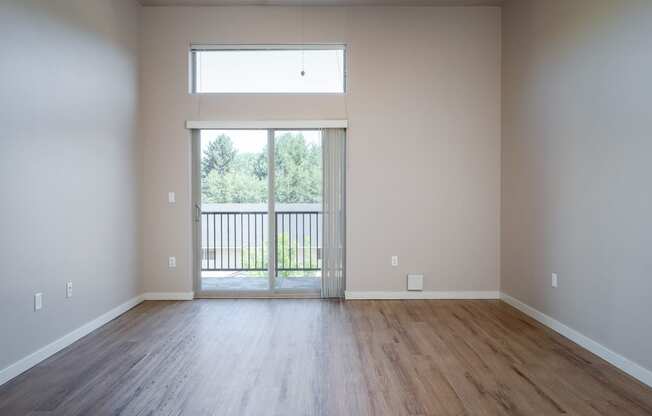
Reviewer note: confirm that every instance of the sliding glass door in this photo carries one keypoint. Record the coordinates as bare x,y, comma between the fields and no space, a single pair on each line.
298,193
258,212
234,212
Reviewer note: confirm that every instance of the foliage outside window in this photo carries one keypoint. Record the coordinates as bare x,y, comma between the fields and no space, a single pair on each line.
229,176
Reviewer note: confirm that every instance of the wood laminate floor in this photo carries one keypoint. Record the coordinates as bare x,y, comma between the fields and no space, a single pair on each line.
313,357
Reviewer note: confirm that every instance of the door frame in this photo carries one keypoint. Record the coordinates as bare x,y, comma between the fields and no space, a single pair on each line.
272,291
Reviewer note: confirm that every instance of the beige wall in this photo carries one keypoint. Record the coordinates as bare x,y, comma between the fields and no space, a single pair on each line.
69,166
577,142
423,143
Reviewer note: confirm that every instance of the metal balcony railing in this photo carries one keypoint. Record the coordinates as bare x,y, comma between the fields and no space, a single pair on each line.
238,241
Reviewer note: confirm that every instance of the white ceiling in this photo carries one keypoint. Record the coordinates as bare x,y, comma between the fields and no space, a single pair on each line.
321,2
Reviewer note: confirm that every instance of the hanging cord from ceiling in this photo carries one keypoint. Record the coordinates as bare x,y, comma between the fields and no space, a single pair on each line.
303,44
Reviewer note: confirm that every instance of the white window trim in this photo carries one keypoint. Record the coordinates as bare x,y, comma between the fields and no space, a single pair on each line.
266,124
198,47
264,47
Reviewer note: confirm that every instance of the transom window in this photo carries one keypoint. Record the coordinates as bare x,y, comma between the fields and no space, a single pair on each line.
268,69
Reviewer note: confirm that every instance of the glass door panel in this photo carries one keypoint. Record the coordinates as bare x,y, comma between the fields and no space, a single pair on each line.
234,210
298,209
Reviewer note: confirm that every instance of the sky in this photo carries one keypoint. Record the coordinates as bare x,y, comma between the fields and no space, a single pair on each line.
253,141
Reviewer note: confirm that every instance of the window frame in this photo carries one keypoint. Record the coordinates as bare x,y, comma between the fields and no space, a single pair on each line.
203,47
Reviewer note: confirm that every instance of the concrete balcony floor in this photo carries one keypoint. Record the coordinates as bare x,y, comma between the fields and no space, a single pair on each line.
247,283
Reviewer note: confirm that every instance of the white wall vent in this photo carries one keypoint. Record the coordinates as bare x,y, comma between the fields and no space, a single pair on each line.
414,282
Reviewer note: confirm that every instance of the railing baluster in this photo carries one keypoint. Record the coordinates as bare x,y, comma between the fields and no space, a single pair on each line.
255,241
221,243
260,257
236,249
228,241
235,242
201,240
214,251
207,243
316,241
248,241
262,241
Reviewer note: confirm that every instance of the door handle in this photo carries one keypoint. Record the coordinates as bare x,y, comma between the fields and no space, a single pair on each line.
197,212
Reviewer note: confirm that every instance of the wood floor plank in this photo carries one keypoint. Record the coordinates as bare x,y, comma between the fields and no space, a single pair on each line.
324,357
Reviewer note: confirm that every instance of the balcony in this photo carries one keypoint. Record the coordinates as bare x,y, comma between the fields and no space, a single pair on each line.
234,248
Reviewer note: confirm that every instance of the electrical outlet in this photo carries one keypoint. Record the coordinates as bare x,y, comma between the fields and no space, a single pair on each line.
555,280
69,289
394,261
38,301
172,262
172,198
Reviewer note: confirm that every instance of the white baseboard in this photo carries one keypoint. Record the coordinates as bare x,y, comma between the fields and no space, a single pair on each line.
642,374
36,357
169,295
52,348
353,295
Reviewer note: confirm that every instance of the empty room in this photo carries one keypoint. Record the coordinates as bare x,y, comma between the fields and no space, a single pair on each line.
325,207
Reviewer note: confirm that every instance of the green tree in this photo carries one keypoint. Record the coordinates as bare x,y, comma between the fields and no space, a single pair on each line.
232,177
298,170
218,156
234,187
260,165
287,256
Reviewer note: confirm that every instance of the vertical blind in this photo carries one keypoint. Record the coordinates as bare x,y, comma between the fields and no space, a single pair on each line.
334,243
